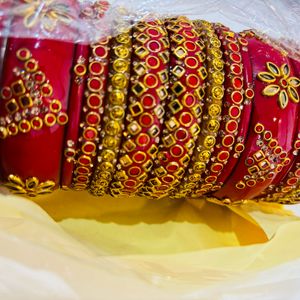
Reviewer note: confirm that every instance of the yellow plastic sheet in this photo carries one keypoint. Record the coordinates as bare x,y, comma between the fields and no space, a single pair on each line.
133,248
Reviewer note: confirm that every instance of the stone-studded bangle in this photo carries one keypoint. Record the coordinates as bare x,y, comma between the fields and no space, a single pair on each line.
34,100
93,105
148,92
77,88
268,139
285,188
248,93
211,111
232,108
184,111
113,120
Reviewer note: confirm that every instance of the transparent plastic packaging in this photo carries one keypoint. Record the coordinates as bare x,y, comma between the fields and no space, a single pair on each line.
82,249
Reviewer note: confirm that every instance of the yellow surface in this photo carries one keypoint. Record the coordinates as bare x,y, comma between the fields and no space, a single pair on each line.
161,249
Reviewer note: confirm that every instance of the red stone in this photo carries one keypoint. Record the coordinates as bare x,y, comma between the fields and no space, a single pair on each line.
146,120
189,33
82,179
177,151
140,157
153,32
62,118
93,119
6,92
186,119
233,47
297,145
89,134
38,77
297,173
89,148
31,65
46,90
267,135
50,119
239,147
95,84
143,140
153,61
191,62
217,167
190,101
277,150
181,134
232,126
237,82
134,171
55,106
292,181
148,101
249,161
95,101
96,68
83,170
249,93
236,57
13,129
36,123
130,183
151,81
283,155
234,111
172,168
84,160
210,179
154,46
100,51
223,156
236,69
190,46
70,153
251,182
228,140
237,97
167,179
193,81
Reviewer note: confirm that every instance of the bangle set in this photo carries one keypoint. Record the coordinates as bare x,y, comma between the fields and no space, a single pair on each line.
172,107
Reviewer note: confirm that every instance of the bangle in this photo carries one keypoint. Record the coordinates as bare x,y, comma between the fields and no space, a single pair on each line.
114,114
239,145
267,143
231,111
145,109
212,110
93,106
187,78
285,187
74,111
33,113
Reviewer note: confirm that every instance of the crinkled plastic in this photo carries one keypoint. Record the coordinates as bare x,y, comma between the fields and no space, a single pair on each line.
81,247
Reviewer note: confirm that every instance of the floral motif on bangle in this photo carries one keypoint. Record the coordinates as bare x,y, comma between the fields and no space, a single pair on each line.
48,13
30,187
280,82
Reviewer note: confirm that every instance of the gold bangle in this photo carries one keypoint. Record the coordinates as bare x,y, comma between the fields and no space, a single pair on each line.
113,121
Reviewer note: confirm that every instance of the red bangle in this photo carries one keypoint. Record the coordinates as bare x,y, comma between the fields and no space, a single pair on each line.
268,139
239,146
114,114
33,113
232,108
212,109
78,84
187,79
285,187
93,104
146,108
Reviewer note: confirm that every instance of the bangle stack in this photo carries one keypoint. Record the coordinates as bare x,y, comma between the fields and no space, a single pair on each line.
172,107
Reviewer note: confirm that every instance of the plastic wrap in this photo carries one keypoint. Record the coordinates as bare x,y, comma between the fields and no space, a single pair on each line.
137,249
